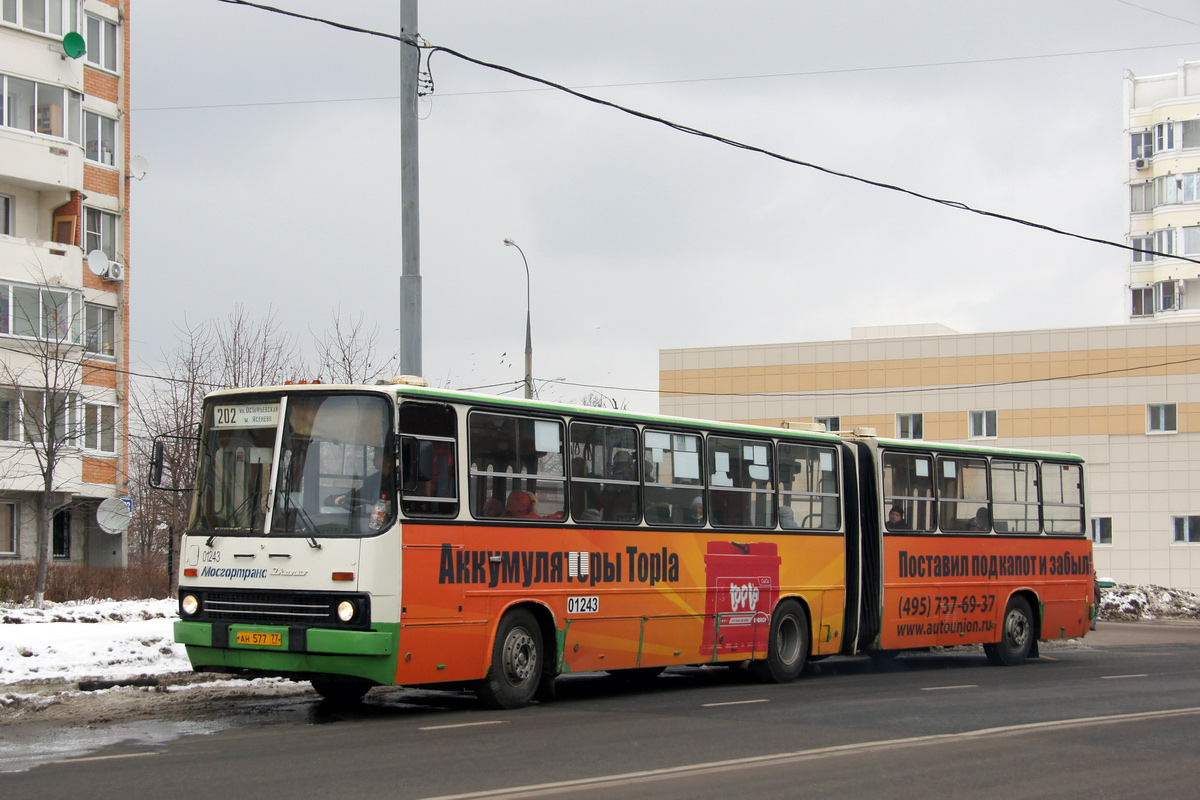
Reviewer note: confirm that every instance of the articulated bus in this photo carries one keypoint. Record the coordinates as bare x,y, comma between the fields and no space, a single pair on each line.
357,536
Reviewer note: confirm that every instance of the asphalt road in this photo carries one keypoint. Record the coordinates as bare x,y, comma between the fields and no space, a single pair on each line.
1118,717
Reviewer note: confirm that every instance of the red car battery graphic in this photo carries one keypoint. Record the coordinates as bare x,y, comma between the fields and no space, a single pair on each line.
742,583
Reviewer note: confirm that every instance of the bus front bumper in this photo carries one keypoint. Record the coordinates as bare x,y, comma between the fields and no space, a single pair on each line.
290,650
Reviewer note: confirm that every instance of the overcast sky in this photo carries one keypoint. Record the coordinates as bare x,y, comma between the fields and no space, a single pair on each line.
638,237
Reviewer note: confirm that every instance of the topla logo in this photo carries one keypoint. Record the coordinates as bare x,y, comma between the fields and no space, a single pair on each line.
743,596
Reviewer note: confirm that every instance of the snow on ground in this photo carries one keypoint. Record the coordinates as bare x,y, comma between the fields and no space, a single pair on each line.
111,640
105,640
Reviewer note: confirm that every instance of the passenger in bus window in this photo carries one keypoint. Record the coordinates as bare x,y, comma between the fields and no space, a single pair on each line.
787,518
695,513
492,508
980,521
895,520
521,505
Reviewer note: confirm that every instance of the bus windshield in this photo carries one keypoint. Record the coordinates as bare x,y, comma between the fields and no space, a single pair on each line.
334,474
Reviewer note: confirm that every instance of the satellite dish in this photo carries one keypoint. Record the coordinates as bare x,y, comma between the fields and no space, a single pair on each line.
138,167
73,45
97,262
112,516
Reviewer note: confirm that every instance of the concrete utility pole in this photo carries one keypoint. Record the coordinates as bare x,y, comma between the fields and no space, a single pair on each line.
410,216
528,336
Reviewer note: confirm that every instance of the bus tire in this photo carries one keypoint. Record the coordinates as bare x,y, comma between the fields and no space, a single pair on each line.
787,646
1016,635
516,668
341,692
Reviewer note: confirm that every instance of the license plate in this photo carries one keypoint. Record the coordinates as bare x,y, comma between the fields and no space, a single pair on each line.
260,639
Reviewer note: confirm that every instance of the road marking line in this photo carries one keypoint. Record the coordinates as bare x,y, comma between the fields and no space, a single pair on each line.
1119,677
734,703
462,725
101,758
944,688
751,762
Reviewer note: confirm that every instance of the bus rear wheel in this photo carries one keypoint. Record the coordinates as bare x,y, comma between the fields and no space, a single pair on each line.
787,647
516,663
1016,635
341,692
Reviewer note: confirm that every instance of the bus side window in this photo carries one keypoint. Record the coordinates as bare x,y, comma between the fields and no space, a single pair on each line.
428,432
908,490
516,469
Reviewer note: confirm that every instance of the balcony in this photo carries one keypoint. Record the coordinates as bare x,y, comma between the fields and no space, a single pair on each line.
34,261
41,162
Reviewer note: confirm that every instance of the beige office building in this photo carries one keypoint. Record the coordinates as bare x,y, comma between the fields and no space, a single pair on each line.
1126,397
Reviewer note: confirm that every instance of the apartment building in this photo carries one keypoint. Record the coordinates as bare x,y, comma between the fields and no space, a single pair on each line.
1163,128
1126,397
64,316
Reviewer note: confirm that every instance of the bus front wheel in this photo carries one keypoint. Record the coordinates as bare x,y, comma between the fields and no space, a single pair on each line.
1016,635
516,663
787,647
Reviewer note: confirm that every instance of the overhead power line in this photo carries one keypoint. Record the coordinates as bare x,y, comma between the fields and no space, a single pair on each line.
687,129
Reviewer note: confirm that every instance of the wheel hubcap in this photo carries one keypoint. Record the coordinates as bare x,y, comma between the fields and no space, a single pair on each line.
787,640
1016,628
520,656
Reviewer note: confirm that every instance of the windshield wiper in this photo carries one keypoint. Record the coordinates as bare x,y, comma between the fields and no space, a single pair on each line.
301,515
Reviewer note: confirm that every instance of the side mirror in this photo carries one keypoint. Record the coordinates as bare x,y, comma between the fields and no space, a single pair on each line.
156,465
158,458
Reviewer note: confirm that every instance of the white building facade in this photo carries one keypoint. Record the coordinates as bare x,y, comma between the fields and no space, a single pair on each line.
1163,132
64,192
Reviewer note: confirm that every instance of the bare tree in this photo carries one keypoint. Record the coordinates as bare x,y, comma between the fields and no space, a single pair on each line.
596,399
349,353
232,352
43,375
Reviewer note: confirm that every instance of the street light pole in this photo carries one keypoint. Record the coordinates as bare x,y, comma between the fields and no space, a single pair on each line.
528,337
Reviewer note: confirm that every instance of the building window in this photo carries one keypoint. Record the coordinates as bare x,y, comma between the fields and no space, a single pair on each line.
1102,530
1177,188
1160,418
909,426
99,424
1168,295
100,232
1191,240
1187,529
55,17
40,312
1142,145
8,529
102,43
6,211
1164,241
1141,197
40,108
1142,245
99,139
1164,136
1191,132
1143,301
100,336
9,416
62,534
983,425
830,423
38,417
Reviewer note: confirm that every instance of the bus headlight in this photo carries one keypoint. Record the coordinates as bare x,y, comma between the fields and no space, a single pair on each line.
189,605
346,611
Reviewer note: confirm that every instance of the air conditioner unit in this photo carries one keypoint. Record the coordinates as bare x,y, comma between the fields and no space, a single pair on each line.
1141,163
115,272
